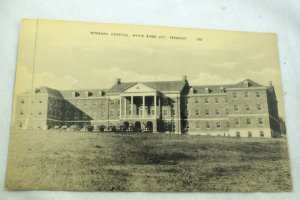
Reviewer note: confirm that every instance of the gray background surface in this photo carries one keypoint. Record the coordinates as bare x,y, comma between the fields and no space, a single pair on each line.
279,16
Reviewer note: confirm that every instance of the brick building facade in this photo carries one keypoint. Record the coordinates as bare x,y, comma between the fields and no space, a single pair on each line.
245,109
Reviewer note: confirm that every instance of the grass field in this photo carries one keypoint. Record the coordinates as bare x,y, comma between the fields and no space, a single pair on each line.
54,160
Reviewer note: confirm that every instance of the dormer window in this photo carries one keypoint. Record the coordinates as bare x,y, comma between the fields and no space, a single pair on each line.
75,94
87,94
221,89
101,93
206,91
192,90
246,84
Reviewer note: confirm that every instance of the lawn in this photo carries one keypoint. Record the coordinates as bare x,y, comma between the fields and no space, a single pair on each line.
58,160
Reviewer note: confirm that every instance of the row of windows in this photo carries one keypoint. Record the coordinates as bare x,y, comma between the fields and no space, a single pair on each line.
217,111
208,125
217,99
261,134
54,113
235,95
247,107
206,100
219,125
249,121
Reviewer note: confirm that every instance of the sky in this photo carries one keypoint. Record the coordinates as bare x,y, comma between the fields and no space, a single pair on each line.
73,55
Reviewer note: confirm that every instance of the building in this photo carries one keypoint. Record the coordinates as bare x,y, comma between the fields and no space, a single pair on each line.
245,109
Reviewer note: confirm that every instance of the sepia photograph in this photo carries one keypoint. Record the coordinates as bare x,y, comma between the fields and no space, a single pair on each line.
133,108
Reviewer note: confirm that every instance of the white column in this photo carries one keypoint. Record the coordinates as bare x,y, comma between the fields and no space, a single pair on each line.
131,106
125,102
159,106
178,111
155,107
143,106
120,107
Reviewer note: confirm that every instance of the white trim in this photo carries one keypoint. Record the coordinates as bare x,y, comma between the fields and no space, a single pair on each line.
248,115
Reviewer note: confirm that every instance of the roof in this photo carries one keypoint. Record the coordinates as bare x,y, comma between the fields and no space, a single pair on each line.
200,89
46,90
82,93
157,85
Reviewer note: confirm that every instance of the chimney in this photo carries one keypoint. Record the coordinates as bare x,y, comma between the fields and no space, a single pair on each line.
270,83
184,78
118,81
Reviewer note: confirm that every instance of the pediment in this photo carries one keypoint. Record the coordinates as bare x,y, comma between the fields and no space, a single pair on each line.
139,87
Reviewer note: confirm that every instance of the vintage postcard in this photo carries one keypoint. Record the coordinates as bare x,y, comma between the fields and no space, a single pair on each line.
108,107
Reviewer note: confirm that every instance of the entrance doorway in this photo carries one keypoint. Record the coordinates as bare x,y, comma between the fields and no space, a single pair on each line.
137,126
150,126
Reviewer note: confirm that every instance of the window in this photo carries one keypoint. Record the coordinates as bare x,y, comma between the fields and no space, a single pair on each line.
260,120
216,100
235,95
261,134
238,134
206,100
248,121
39,113
117,101
112,113
197,124
67,114
22,101
247,107
246,94
41,101
119,113
187,112
112,102
84,116
257,94
218,124
206,112
249,133
21,113
208,125
227,111
152,112
197,112
228,124
94,103
196,99
165,112
186,101
259,107
20,125
236,108
237,122
172,112
76,115
67,104
217,111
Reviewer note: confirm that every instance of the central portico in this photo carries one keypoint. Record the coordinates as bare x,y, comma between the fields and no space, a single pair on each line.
140,103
